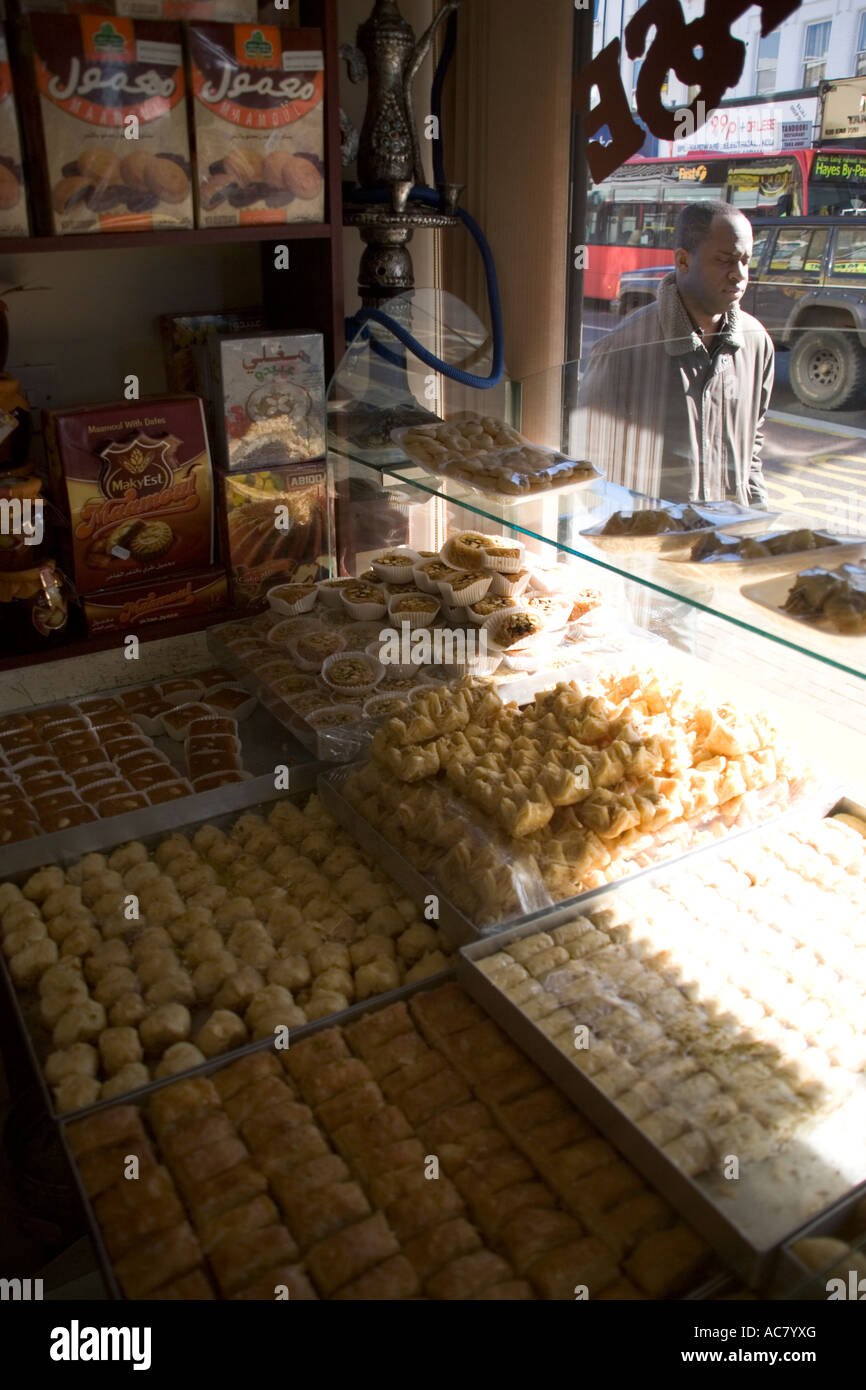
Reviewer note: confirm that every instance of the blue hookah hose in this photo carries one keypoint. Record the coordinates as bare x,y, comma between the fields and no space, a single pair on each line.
433,198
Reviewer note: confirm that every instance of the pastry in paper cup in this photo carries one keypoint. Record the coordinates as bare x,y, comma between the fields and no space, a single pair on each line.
329,590
514,629
428,574
292,599
510,585
335,716
466,551
479,612
363,601
306,702
464,588
398,669
281,633
502,555
383,706
551,608
396,565
417,609
309,649
352,672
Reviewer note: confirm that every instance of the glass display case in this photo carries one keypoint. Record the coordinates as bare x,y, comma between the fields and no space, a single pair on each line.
725,606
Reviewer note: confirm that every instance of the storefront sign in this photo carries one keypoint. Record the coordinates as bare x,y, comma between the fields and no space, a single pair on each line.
844,113
703,54
759,128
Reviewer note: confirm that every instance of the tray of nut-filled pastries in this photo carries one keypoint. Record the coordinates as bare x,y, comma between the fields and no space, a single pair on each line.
144,960
406,1151
126,762
709,1020
504,811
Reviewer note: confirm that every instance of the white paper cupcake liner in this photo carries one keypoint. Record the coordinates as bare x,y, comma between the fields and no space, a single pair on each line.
309,663
329,591
510,585
377,671
414,617
397,574
467,595
337,716
495,622
364,611
290,609
505,564
383,706
452,554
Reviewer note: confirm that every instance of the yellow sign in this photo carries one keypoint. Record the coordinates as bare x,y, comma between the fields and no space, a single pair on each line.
692,173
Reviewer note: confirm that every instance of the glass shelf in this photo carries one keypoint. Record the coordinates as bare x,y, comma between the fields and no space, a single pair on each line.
370,395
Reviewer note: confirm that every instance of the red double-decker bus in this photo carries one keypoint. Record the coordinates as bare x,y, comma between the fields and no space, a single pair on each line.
630,216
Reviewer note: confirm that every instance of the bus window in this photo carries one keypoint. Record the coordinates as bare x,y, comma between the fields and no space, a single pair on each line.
849,256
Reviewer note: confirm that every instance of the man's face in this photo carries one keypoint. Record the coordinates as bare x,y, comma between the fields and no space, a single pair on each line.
716,273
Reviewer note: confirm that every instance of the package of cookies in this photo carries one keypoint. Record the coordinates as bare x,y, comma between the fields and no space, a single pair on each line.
181,334
13,199
111,122
275,528
182,596
136,480
492,457
271,390
259,124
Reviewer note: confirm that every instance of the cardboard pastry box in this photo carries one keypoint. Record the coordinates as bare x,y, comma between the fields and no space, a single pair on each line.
185,596
111,119
138,485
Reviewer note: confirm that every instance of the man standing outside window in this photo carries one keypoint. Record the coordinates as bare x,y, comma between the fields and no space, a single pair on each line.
673,402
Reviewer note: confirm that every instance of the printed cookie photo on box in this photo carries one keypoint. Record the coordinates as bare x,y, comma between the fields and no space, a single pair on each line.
138,485
259,128
113,120
275,526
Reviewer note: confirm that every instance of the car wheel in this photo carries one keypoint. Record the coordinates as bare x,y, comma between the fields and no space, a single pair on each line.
828,369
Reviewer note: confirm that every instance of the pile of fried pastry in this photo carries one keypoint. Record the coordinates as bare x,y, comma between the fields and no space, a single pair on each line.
306,1174
272,922
835,596
721,1011
576,786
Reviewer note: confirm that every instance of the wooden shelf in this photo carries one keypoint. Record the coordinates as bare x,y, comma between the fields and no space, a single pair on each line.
191,237
149,632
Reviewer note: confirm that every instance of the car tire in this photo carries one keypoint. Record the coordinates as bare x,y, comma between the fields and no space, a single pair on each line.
828,369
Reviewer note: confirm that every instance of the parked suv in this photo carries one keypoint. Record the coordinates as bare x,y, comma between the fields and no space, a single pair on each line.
807,285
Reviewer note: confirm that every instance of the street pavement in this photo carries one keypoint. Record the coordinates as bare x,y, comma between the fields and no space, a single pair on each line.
814,460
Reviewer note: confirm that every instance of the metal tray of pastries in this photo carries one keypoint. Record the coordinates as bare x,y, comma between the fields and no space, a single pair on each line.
707,1019
245,920
88,759
404,1151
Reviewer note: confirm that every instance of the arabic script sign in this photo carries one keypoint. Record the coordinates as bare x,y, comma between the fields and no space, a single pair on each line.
702,54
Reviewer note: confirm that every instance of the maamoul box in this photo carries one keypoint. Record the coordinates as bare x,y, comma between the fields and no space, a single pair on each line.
259,123
113,123
137,480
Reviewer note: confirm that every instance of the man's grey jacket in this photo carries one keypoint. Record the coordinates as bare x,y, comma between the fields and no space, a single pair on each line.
665,417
